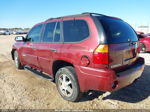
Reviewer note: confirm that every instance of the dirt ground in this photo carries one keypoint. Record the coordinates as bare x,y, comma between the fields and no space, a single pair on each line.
20,89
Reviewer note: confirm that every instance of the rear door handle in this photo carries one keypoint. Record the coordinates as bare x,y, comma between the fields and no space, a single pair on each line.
53,50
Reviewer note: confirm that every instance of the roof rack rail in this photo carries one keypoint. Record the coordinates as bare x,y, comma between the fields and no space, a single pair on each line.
50,19
53,18
82,14
90,13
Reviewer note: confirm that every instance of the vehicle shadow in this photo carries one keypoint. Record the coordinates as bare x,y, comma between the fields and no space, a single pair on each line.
90,95
133,93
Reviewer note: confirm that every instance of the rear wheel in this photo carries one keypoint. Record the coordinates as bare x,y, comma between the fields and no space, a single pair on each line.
143,48
67,84
17,61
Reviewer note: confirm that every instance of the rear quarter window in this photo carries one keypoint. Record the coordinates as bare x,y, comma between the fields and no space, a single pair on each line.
75,30
118,31
49,32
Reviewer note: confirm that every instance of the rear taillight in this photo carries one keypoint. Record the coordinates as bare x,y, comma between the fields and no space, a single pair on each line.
101,54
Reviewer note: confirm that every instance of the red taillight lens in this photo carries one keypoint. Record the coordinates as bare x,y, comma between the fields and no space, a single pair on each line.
101,55
101,58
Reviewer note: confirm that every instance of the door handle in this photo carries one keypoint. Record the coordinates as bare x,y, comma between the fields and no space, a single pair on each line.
53,50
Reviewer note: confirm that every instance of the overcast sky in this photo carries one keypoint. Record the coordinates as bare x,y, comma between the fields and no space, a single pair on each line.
26,13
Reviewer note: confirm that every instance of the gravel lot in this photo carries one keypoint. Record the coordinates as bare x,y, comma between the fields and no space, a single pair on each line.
21,89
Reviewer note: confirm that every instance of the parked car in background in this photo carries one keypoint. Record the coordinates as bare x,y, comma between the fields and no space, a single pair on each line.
147,35
21,32
144,42
5,32
2,32
14,32
81,52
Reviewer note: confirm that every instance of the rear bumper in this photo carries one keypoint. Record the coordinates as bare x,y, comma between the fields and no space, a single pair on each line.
107,79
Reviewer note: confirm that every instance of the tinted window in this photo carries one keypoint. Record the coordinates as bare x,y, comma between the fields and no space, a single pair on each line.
75,30
49,32
35,33
57,35
118,31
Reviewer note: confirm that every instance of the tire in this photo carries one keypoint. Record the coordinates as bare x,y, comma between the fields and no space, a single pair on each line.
17,61
143,48
67,84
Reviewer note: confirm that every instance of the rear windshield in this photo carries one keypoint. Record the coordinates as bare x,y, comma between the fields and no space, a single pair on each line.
118,31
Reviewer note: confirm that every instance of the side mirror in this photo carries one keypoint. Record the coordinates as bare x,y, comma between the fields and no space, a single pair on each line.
19,38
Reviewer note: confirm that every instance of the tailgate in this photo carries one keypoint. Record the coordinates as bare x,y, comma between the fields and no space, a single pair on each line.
122,54
122,41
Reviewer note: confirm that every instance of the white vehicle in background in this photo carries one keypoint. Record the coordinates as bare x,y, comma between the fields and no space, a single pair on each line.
2,32
11,32
14,32
7,32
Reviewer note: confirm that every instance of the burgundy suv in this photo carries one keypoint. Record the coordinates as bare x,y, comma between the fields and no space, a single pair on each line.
81,52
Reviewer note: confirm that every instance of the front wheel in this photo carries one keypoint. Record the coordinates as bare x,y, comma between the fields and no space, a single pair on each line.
17,61
67,84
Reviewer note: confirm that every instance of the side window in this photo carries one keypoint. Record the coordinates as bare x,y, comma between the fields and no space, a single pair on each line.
75,30
57,35
35,33
49,32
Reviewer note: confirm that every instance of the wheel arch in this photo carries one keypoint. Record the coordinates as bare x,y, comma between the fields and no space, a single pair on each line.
59,64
